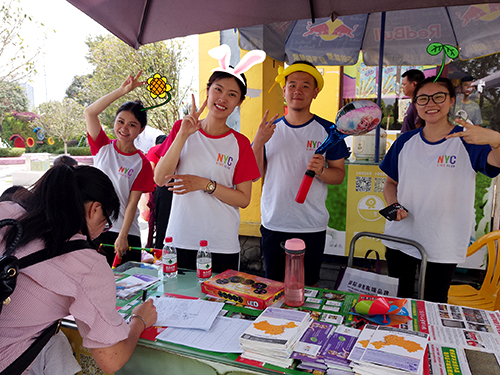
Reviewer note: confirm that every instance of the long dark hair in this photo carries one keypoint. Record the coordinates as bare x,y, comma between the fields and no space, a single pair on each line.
220,75
56,206
445,82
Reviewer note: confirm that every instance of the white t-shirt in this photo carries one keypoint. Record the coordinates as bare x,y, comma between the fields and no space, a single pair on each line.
227,159
127,172
436,184
287,154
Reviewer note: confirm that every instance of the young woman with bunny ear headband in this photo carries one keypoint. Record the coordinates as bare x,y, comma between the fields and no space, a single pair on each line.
213,167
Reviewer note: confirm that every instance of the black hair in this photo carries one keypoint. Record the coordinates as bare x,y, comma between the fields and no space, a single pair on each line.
221,75
136,107
160,139
413,75
65,159
467,78
306,63
9,193
56,205
445,82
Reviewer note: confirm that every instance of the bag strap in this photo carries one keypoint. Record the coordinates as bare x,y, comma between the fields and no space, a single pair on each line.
14,243
24,360
41,255
377,262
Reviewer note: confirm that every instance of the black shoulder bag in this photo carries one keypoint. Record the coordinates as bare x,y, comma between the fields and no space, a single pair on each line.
9,269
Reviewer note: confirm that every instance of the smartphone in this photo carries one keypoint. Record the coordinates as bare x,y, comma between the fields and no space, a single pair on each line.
390,212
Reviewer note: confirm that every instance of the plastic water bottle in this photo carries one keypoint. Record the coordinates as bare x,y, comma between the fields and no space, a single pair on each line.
203,262
294,272
169,259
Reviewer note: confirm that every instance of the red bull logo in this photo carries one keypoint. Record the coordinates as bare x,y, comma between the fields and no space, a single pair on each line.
407,33
483,12
282,27
330,30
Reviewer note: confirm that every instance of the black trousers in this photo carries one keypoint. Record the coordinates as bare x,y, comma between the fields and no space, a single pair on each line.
275,258
438,276
186,258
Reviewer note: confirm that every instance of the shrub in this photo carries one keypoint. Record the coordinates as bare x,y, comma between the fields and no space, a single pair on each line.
76,151
11,152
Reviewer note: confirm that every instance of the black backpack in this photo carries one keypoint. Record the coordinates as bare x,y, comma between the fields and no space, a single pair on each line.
9,269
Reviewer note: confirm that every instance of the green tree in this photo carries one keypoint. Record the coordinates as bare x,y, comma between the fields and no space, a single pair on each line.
12,99
113,60
62,120
78,90
17,59
490,99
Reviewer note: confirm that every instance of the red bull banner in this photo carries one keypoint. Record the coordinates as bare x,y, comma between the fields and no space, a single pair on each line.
474,29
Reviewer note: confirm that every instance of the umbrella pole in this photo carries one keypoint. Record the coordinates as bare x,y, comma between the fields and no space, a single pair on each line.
379,86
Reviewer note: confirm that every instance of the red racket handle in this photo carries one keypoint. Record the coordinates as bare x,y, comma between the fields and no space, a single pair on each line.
304,186
116,261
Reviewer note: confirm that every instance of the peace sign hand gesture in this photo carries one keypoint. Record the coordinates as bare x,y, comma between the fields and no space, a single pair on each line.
131,83
477,135
191,123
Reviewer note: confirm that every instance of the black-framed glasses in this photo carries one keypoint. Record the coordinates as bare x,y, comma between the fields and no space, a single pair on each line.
109,223
437,98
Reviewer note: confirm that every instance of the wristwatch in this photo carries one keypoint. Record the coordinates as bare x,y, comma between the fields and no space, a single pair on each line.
211,186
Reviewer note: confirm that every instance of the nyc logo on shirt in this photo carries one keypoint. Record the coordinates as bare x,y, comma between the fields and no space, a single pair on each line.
312,145
225,161
126,172
447,161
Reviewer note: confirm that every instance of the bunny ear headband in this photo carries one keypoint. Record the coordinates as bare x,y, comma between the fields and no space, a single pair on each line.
223,54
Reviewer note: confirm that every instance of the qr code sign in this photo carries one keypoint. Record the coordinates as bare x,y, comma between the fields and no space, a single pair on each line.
363,184
378,185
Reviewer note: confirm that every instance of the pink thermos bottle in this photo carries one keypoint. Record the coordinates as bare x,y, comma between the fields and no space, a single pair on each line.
294,272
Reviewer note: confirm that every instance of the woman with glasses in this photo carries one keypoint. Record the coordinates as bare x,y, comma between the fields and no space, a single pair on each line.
66,204
431,171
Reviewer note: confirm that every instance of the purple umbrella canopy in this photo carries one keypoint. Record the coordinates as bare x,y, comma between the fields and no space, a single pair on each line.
139,22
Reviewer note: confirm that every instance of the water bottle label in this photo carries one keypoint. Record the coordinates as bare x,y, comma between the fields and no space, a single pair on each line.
204,270
170,266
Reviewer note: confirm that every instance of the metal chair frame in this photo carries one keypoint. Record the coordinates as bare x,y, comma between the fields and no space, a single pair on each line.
420,248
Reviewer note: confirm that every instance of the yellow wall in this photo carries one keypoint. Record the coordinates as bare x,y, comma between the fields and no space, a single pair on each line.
261,77
327,103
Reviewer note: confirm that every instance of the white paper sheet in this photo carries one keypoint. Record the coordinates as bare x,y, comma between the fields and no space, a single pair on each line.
222,337
186,313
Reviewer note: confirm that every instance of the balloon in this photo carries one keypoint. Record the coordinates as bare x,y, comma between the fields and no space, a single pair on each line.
358,117
383,312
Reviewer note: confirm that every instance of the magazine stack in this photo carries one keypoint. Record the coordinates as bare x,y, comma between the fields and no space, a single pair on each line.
387,350
325,347
271,338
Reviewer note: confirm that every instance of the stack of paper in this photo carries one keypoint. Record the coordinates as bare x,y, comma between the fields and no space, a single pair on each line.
338,348
271,338
324,346
389,351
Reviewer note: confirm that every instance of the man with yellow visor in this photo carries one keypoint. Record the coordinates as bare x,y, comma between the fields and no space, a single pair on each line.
285,149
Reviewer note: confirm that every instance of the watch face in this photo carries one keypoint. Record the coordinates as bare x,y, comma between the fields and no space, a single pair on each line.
210,187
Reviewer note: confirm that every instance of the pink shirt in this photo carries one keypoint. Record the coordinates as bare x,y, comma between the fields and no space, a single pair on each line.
79,283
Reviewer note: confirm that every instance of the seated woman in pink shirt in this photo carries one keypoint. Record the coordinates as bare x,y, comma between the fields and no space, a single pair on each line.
67,203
